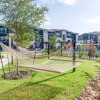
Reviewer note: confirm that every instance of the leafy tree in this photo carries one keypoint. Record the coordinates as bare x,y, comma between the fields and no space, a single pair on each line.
83,46
22,17
52,40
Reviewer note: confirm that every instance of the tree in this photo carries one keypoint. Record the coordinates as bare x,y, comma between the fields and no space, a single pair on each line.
22,17
52,40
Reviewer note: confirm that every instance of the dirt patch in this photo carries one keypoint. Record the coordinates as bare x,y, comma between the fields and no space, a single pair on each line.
14,76
92,91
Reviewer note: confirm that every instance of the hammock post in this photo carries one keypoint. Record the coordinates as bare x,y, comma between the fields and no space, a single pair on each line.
74,58
2,66
8,62
48,50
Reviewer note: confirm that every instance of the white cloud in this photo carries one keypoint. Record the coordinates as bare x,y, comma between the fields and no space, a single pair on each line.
94,20
48,1
48,21
67,2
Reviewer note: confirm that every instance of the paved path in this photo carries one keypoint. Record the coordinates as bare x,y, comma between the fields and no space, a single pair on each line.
5,60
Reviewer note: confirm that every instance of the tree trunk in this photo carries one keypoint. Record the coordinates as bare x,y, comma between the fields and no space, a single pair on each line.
8,62
12,59
2,65
17,68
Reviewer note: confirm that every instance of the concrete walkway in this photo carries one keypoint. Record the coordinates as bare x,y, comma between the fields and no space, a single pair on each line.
5,60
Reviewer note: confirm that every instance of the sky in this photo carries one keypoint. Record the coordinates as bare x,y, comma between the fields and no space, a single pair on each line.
80,16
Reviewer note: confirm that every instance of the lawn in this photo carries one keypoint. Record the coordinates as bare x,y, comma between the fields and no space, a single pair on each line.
49,86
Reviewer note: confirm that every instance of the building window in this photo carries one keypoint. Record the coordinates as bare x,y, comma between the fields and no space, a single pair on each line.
68,34
2,38
1,29
58,34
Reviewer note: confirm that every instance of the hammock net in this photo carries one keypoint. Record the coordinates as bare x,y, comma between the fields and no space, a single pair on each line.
48,65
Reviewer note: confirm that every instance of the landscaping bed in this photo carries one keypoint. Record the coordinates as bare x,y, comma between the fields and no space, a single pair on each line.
14,76
92,91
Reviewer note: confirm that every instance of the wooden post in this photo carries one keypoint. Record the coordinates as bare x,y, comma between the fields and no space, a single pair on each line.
2,65
8,62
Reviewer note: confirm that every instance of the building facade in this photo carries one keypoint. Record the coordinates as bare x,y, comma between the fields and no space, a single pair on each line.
95,36
42,36
63,36
3,33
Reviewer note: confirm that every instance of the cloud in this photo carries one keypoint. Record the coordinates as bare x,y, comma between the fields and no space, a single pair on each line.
48,21
48,1
67,2
94,20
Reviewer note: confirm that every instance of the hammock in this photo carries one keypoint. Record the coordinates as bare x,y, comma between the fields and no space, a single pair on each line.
47,66
37,54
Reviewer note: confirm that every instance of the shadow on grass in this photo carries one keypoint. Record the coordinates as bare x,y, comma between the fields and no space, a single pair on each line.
87,75
31,92
38,82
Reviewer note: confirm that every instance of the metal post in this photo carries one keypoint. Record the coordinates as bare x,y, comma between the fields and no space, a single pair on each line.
2,65
8,62
74,58
48,50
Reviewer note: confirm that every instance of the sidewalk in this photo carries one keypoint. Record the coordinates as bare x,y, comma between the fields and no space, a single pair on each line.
5,61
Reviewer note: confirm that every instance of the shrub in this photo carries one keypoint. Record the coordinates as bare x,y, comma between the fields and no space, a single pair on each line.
1,56
80,54
96,55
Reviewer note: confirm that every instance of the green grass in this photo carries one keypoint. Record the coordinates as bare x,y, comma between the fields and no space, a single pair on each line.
48,86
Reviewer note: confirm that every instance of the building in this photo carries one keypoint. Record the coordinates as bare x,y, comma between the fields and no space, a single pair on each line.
3,33
42,36
63,36
95,36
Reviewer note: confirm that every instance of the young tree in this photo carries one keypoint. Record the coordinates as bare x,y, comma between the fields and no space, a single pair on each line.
52,40
22,17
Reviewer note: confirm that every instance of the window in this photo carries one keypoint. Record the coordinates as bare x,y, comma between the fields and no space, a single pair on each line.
68,34
1,29
2,38
58,34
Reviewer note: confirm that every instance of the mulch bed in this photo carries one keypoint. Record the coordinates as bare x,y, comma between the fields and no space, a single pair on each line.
92,91
14,76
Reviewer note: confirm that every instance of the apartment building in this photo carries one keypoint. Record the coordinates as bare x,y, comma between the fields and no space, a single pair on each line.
95,36
63,36
3,33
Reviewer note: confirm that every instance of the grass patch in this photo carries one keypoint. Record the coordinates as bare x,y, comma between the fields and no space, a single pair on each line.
49,86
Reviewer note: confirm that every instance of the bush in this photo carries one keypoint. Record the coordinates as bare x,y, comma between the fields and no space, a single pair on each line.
80,54
96,55
2,56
